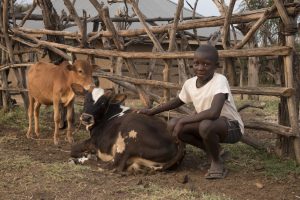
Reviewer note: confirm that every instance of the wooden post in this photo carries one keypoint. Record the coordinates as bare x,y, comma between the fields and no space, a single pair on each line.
51,22
228,67
104,13
290,29
156,43
289,80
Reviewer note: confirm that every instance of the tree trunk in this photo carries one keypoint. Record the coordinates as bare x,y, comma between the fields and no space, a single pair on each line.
253,70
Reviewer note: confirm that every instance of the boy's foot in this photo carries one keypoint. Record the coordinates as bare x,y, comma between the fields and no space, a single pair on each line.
217,170
225,155
216,174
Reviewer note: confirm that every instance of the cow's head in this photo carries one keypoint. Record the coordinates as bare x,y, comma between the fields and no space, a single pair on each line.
96,103
82,73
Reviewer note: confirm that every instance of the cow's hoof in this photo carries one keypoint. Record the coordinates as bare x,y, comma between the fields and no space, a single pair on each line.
70,140
37,134
56,142
28,134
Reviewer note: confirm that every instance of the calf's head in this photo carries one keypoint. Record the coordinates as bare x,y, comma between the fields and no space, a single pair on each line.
96,103
82,73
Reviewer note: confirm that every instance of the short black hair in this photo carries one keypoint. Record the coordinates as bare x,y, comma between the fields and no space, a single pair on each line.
209,50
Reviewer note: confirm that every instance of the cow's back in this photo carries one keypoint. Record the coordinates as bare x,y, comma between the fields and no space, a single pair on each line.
42,77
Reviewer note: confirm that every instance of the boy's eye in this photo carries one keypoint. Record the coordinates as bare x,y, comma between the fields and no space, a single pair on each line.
203,64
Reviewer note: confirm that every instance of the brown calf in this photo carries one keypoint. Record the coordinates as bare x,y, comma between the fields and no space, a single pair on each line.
50,84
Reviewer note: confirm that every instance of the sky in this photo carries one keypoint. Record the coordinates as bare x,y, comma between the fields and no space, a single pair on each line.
204,7
207,7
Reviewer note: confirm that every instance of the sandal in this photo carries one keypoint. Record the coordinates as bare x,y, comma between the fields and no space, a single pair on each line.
215,174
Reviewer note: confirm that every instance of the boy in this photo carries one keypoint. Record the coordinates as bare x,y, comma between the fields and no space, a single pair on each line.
216,121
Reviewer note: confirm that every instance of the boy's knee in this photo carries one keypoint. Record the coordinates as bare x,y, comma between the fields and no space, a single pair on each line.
205,128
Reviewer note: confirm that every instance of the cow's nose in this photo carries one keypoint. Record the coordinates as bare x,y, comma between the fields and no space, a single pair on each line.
87,118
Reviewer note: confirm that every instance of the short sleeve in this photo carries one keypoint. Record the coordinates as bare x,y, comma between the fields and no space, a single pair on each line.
221,86
184,95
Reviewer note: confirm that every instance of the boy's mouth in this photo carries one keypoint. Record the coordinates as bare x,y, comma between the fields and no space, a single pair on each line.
200,73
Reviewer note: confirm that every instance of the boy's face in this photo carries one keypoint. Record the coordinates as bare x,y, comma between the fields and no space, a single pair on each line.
204,65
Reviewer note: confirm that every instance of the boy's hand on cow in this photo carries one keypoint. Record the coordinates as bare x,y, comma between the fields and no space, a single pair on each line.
178,127
145,111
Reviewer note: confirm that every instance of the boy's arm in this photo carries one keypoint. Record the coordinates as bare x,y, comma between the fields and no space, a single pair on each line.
212,113
174,103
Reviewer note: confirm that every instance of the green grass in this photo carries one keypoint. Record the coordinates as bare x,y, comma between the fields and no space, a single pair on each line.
155,192
214,197
270,108
158,192
246,157
14,119
17,118
56,171
60,172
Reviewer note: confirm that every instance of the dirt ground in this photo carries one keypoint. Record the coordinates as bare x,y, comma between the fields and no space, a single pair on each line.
36,169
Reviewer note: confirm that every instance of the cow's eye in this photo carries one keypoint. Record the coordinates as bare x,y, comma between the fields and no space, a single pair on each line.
80,71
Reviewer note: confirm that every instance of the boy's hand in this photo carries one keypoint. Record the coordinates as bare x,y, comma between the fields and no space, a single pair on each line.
178,127
145,111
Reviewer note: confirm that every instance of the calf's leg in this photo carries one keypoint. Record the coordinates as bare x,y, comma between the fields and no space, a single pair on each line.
30,113
37,106
70,122
56,121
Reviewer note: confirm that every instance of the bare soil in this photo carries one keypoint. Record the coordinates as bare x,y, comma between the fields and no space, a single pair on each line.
36,169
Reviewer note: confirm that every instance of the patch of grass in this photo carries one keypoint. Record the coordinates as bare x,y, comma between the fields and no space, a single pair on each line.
271,104
15,163
17,118
155,192
58,172
247,157
64,171
214,197
14,119
158,192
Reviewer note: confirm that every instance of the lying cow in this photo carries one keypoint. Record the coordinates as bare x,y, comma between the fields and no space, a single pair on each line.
130,141
50,84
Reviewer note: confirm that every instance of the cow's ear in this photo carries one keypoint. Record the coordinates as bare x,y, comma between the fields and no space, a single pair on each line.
78,89
118,99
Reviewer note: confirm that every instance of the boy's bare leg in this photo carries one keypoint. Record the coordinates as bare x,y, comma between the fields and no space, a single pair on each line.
212,132
189,133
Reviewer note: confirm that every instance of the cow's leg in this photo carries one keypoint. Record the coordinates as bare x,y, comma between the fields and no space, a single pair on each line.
56,121
78,150
30,113
37,106
70,122
120,161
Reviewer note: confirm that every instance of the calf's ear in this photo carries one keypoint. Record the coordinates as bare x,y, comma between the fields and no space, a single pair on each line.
71,67
96,67
118,99
78,89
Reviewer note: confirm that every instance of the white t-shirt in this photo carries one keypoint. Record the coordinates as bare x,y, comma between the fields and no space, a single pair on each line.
202,97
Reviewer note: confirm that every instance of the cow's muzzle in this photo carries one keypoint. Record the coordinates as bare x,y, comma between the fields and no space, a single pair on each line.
87,119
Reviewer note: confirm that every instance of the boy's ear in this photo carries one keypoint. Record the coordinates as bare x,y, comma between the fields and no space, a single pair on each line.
217,64
78,89
118,99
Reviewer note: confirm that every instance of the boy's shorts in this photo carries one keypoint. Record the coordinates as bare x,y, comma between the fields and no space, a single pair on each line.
234,131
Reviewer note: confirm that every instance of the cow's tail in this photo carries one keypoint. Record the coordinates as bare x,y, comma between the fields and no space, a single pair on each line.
178,157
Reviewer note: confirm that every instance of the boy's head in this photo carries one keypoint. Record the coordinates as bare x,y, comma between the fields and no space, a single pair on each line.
210,52
205,61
